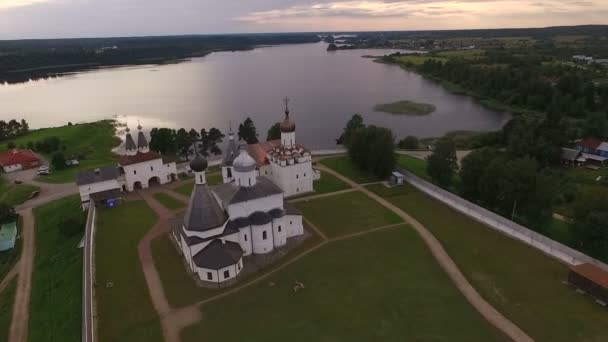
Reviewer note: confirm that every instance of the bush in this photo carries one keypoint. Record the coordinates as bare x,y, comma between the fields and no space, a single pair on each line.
58,161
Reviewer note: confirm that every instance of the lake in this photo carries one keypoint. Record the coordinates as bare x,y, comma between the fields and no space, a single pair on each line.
325,88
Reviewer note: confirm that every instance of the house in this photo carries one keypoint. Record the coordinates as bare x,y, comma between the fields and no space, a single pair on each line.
594,150
396,178
225,223
139,168
582,59
284,161
572,157
8,234
590,279
18,159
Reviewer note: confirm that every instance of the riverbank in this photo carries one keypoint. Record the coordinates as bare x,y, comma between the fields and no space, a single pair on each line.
405,108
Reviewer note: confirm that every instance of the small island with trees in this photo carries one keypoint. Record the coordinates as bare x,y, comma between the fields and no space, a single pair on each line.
406,107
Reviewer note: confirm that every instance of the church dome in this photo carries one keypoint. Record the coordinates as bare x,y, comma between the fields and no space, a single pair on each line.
244,162
288,125
198,164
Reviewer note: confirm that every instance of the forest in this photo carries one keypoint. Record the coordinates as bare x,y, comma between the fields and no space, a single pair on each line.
21,60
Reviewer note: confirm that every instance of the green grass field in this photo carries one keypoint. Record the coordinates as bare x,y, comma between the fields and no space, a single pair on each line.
185,189
180,288
55,309
465,54
350,213
7,300
94,140
419,59
344,166
9,258
169,201
520,282
15,194
125,311
384,286
414,165
328,183
405,107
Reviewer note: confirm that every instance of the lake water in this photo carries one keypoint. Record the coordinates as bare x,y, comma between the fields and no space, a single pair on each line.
326,89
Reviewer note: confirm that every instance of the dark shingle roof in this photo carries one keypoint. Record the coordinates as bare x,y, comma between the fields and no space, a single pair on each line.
218,255
141,140
231,193
129,142
238,223
195,240
106,195
276,213
203,213
139,158
259,218
90,176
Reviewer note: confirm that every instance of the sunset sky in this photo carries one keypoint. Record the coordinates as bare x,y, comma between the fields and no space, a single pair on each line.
96,18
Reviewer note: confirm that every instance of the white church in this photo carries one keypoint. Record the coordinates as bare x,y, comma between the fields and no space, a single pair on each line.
247,215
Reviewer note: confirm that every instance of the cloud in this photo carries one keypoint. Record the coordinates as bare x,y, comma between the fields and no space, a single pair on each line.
5,4
430,9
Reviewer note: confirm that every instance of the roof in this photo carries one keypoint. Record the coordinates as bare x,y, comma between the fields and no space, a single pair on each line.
204,212
17,156
603,146
138,158
106,195
232,151
593,273
282,152
259,151
130,143
570,154
230,193
91,176
259,218
594,157
592,143
8,231
195,240
141,140
400,175
218,254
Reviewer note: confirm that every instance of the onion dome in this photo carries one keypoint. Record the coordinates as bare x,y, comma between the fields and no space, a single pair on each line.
198,164
244,162
288,125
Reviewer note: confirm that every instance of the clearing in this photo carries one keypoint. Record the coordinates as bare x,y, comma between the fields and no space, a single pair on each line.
344,166
15,194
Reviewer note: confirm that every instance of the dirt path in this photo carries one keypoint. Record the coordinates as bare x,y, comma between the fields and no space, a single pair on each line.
448,265
21,309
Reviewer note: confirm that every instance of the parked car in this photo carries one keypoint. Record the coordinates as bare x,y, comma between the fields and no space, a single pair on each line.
43,172
43,168
18,181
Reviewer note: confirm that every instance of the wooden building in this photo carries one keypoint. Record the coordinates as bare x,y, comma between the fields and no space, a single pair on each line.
592,280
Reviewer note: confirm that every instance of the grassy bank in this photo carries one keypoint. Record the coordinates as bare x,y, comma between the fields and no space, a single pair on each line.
124,309
15,194
344,166
55,309
405,107
94,141
414,165
328,183
520,282
7,301
402,295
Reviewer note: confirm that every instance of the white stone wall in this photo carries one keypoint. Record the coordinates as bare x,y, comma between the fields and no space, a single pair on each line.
218,276
265,204
227,174
87,189
246,178
245,240
294,179
261,245
288,139
12,168
265,170
294,225
279,232
144,172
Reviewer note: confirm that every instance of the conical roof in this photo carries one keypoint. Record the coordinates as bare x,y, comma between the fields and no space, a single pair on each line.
129,142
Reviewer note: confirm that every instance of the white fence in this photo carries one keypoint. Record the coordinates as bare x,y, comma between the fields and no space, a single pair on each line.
88,294
497,222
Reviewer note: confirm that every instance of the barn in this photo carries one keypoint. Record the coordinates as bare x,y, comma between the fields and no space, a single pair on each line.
590,279
18,159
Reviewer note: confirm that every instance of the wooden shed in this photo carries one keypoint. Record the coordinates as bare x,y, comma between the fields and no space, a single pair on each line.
590,279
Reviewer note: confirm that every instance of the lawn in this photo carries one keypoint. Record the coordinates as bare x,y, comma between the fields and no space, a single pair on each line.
350,213
413,165
179,286
384,286
94,141
406,107
344,166
419,59
124,308
15,194
7,300
212,179
519,281
169,201
55,308
328,183
9,258
473,54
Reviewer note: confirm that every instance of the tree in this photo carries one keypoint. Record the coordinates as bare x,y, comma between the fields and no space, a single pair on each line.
274,132
182,141
373,149
7,213
11,145
210,141
473,168
162,140
442,164
409,143
355,123
58,160
596,125
248,132
591,223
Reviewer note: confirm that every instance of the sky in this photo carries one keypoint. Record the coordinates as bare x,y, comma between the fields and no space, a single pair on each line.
102,18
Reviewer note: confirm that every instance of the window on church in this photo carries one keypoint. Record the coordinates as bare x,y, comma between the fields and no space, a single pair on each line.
226,274
279,229
249,181
209,276
229,172
245,237
151,168
304,174
297,189
134,172
264,235
297,176
290,222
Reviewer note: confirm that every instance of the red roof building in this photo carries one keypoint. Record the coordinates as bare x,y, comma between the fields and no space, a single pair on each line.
590,143
15,160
